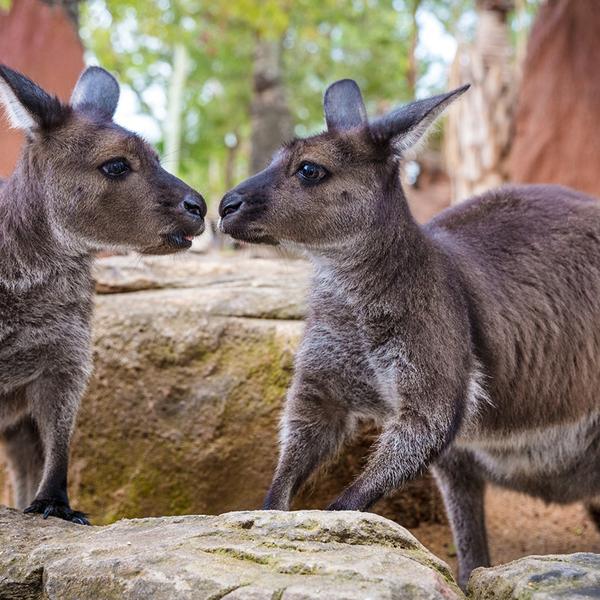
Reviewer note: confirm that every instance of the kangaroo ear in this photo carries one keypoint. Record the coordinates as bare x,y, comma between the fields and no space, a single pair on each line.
96,90
344,106
27,105
405,126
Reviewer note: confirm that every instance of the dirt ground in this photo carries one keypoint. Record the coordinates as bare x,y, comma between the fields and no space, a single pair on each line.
519,526
429,200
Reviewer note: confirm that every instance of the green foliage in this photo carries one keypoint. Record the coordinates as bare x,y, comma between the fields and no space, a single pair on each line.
322,40
5,4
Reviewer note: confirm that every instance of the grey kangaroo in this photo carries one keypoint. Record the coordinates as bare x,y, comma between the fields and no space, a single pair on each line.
473,341
82,184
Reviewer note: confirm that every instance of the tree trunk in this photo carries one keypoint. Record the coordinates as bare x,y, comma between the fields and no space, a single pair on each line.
271,119
556,124
230,163
479,128
173,123
412,71
40,41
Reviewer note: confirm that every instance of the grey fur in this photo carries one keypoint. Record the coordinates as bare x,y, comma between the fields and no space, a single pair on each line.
344,107
474,341
404,126
97,89
56,210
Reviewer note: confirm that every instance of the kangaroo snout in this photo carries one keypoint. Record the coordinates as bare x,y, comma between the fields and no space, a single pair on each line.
193,206
189,223
243,216
230,204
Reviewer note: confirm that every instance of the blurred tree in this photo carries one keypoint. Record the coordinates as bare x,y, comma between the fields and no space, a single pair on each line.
271,119
479,127
172,129
266,63
412,70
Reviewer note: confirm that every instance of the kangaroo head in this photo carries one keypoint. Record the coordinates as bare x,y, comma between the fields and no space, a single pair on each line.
324,190
98,184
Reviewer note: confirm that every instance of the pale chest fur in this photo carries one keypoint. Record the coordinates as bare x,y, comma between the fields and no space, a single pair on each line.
552,462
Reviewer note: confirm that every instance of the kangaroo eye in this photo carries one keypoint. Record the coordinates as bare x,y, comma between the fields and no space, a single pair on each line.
311,172
115,167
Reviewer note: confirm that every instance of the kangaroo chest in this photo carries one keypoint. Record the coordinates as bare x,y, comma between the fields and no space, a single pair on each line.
39,326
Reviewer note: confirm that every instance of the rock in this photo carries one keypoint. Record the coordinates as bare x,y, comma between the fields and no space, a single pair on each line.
555,139
539,578
182,411
242,555
35,36
230,286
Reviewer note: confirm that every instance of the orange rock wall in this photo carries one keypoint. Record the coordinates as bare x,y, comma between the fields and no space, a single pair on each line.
40,41
558,115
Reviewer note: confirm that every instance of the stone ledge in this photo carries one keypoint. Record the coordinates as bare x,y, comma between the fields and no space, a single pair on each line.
257,555
551,577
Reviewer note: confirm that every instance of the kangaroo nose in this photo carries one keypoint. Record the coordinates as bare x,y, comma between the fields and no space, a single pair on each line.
194,205
230,204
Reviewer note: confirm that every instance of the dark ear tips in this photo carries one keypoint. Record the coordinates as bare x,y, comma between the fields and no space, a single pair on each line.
28,106
340,90
459,91
344,106
404,126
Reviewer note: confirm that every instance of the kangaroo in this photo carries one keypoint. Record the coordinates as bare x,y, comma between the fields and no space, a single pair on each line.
82,184
473,341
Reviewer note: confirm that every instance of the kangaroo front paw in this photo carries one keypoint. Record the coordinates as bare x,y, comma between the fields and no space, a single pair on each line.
351,499
60,510
338,505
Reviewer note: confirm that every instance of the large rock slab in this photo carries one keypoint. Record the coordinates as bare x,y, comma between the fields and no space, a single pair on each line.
244,555
230,285
191,371
552,577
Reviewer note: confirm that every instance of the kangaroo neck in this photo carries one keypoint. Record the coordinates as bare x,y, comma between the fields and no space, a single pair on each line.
388,262
31,249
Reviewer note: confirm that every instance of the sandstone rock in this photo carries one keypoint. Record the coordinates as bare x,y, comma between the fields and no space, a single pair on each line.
35,37
182,411
229,285
555,138
539,578
245,555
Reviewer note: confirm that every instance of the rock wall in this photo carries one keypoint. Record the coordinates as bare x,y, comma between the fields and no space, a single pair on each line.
191,370
559,101
39,40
